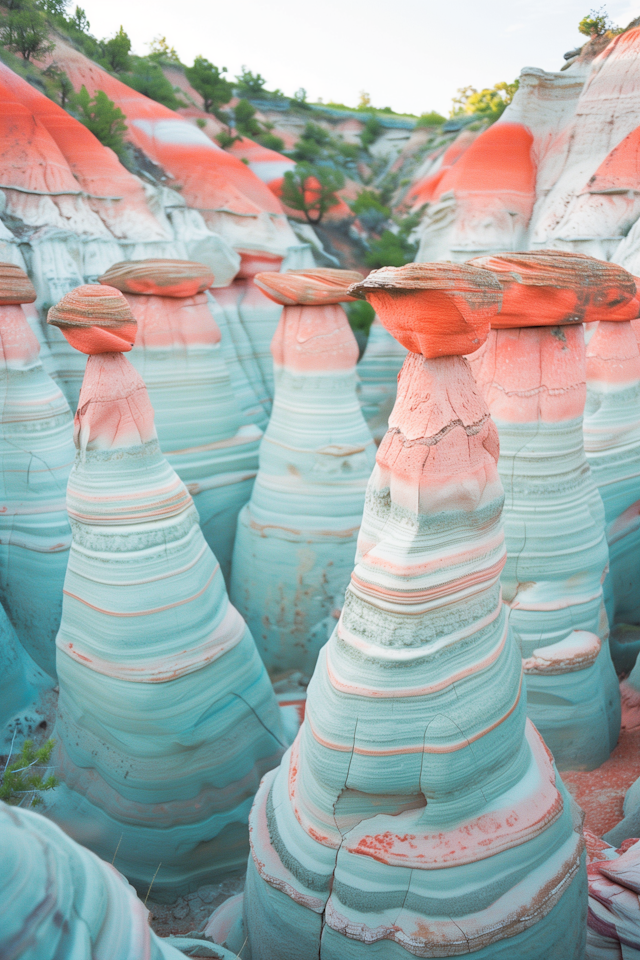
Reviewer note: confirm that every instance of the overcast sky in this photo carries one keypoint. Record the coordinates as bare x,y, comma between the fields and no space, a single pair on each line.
411,55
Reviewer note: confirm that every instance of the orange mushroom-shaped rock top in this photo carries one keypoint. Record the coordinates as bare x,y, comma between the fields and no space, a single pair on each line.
436,309
161,278
15,286
308,287
95,318
554,287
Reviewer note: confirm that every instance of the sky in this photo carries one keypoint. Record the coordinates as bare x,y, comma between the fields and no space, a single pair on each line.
410,55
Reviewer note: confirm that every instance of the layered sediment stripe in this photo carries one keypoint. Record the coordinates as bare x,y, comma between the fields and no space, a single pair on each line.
612,446
36,454
533,374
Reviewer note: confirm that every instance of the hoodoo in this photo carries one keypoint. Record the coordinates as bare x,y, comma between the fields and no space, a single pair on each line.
197,416
297,536
166,718
36,454
418,813
533,375
612,445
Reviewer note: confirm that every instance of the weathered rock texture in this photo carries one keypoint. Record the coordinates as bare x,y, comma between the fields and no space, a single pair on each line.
36,454
418,813
612,445
61,901
560,168
197,415
297,536
378,378
73,210
613,925
166,716
532,372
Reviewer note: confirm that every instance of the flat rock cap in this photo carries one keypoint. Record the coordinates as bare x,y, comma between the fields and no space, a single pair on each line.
15,286
95,319
161,278
308,287
555,287
436,309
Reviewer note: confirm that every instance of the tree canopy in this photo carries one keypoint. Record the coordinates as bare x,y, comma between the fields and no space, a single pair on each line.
101,116
210,83
312,190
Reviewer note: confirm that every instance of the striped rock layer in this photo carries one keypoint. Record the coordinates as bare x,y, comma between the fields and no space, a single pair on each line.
36,454
61,901
197,416
378,378
418,813
166,720
296,537
533,380
612,446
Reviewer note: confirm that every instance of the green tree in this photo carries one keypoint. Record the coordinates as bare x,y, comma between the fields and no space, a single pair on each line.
101,116
361,315
160,51
79,20
490,102
372,130
209,82
312,190
596,23
22,777
117,50
431,119
245,121
24,30
56,8
314,144
271,141
148,78
370,210
60,85
250,84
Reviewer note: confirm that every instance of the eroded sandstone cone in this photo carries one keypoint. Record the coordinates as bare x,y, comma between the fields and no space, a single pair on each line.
418,810
532,372
197,414
36,454
167,719
297,535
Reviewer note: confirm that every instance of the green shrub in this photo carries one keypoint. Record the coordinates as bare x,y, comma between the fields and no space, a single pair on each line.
271,141
431,119
490,102
361,315
372,130
148,78
101,116
22,777
596,23
250,84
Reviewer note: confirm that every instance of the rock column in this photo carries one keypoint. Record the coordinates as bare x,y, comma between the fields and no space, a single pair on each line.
36,454
167,719
418,812
197,415
297,536
533,375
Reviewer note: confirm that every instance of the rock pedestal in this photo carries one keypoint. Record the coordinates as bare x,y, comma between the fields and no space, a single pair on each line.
297,535
166,717
378,378
60,900
197,416
418,813
533,375
36,454
612,446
